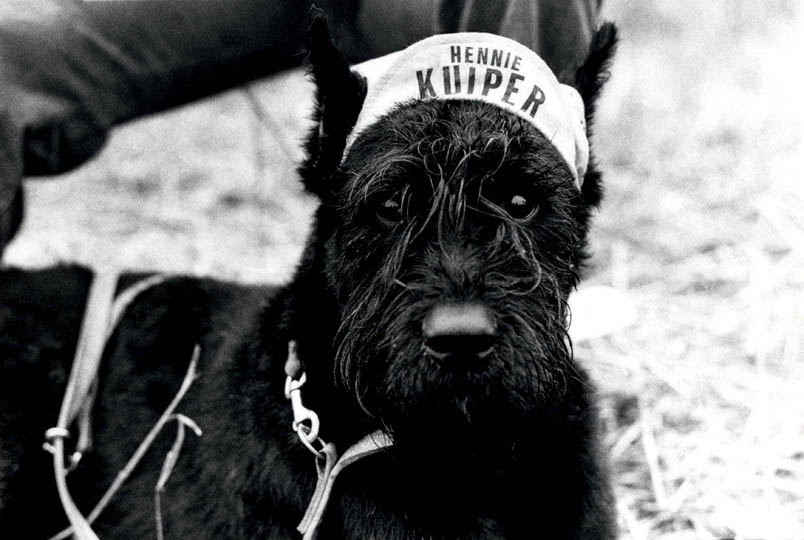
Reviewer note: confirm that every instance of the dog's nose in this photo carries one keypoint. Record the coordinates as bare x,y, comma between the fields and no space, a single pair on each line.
459,331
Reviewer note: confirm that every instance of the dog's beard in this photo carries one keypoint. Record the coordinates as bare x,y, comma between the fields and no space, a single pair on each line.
381,361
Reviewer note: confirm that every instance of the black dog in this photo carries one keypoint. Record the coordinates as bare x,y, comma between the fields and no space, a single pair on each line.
430,306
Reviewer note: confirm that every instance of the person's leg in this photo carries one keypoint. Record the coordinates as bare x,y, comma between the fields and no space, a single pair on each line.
70,71
566,28
558,30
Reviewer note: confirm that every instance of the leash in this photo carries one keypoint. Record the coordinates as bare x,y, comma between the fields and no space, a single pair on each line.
328,464
79,386
101,316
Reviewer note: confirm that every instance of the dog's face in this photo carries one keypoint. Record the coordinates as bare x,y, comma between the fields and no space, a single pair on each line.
458,239
453,233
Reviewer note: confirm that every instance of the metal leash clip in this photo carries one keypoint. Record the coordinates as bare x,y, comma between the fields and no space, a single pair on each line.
305,421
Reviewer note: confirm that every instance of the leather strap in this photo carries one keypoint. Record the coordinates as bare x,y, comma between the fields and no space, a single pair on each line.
328,472
88,353
101,316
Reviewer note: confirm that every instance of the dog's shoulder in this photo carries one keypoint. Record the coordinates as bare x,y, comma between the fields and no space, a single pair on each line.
41,312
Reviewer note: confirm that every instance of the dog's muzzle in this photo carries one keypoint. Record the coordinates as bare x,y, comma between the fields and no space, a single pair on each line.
457,332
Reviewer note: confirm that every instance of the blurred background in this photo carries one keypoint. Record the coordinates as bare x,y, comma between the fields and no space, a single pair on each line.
700,137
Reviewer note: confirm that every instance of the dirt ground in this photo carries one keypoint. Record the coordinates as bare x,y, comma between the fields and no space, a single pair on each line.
700,136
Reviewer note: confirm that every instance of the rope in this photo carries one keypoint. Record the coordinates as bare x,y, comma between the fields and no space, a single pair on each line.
101,316
82,376
132,463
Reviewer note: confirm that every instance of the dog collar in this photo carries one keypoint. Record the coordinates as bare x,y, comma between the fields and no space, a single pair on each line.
479,67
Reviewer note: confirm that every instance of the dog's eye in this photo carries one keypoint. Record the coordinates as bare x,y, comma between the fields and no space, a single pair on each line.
521,207
390,209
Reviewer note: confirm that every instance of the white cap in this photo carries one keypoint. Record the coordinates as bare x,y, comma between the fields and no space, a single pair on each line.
480,67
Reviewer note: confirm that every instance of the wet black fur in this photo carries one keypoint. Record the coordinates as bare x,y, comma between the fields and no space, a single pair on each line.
504,449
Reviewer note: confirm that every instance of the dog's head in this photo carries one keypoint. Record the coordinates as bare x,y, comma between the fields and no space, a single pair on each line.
450,235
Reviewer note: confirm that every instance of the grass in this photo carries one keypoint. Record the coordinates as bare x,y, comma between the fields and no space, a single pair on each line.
700,136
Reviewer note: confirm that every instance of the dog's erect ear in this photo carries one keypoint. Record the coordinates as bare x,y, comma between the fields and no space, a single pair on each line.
593,73
590,78
339,97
